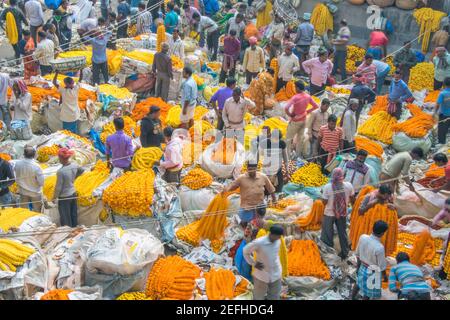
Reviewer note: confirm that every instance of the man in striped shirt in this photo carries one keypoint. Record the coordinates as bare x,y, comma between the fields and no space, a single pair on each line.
330,140
144,20
45,51
368,71
412,285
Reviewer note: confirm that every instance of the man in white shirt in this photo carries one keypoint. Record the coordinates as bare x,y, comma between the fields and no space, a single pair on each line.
70,111
34,13
208,26
45,51
267,268
177,48
276,35
236,23
288,64
356,171
30,180
348,124
371,263
233,113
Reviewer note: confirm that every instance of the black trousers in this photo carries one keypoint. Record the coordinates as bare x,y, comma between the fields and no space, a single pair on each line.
212,41
313,89
223,74
16,50
340,56
220,123
414,295
437,85
443,126
68,211
349,146
45,70
96,69
122,30
323,156
280,84
249,76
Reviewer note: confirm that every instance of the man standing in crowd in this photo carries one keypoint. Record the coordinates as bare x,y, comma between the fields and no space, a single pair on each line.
357,172
267,269
368,71
35,15
234,111
398,167
253,186
208,26
119,147
349,125
441,67
330,141
177,45
253,60
19,19
371,263
144,20
70,111
236,23
337,196
30,180
276,36
231,50
4,111
288,64
104,8
362,93
317,119
443,112
398,93
171,19
305,35
189,93
6,180
123,11
404,60
296,126
151,129
218,100
63,22
112,28
65,191
188,21
318,69
45,52
162,66
99,58
383,70
173,157
340,52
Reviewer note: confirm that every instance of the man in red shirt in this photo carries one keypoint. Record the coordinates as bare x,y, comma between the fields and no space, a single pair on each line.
296,110
330,140
377,44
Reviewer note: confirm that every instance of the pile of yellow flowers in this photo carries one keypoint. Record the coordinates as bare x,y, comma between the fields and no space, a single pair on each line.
13,254
197,179
390,61
214,66
89,181
338,90
275,123
177,63
198,80
321,19
44,153
304,260
173,116
49,187
406,241
131,194
429,21
432,96
379,127
354,54
14,217
116,92
138,295
446,264
144,158
283,204
309,175
421,77
109,129
221,285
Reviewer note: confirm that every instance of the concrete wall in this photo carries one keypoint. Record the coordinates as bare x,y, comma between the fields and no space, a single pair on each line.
405,26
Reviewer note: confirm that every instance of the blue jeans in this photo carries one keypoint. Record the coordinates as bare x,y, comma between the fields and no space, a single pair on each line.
246,215
340,56
71,126
380,79
6,199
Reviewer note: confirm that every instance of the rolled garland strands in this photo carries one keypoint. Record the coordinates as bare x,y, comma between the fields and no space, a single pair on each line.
379,127
313,220
373,148
418,125
429,21
321,19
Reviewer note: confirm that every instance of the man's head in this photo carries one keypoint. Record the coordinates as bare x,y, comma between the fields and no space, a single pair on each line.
266,131
252,41
169,6
187,72
344,23
353,104
231,83
186,6
441,51
101,22
361,156
368,58
176,34
276,231
233,33
239,18
397,75
65,4
12,2
165,47
332,122
29,152
69,83
306,16
251,169
299,86
42,35
119,124
112,17
357,78
384,192
288,48
447,82
323,55
402,257
196,17
26,34
64,155
278,19
167,132
440,159
154,112
141,6
242,8
237,92
417,153
379,228
325,104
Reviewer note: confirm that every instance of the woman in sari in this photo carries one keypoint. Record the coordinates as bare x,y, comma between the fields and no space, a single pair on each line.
31,66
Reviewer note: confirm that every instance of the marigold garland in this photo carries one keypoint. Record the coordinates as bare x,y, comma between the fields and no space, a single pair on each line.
220,284
321,19
142,108
418,125
197,179
144,158
89,181
286,92
14,217
139,295
57,294
420,254
431,254
428,21
45,152
435,171
381,104
421,77
379,127
5,156
372,147
313,220
304,260
432,96
13,254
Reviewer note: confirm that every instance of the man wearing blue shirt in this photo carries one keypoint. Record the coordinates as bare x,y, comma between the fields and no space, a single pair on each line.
443,110
219,98
171,19
123,11
398,93
189,95
99,42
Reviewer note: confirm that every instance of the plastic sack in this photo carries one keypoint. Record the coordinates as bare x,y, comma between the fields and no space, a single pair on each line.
197,199
401,142
374,165
220,170
53,4
95,138
123,251
293,188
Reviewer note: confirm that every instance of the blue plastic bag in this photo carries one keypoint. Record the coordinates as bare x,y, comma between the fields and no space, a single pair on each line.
242,266
419,56
53,4
98,144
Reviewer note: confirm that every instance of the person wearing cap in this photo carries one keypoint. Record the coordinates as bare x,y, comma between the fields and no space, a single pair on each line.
276,36
441,67
119,147
231,51
340,49
151,129
349,125
254,60
267,268
305,35
383,70
296,127
371,263
363,93
317,119
404,60
65,191
253,186
162,66
318,69
70,111
368,71
287,64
